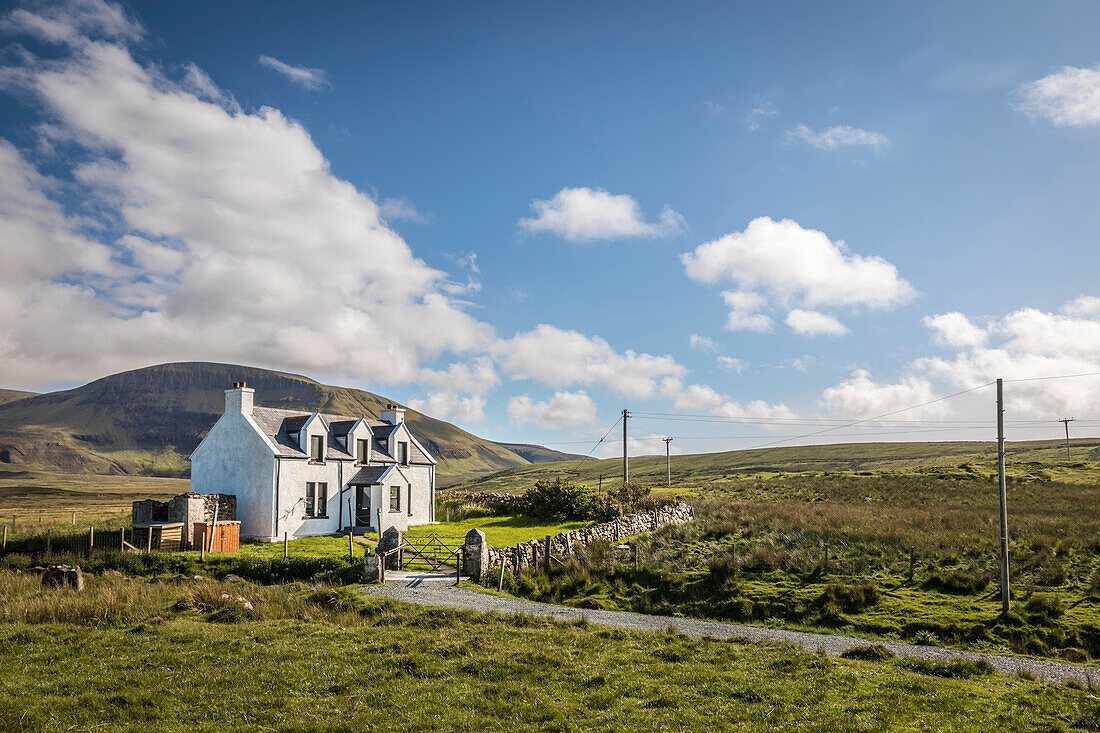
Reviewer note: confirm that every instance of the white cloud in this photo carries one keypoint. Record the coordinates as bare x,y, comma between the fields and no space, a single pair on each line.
702,344
303,76
698,397
73,22
652,444
478,376
560,358
758,409
743,315
401,209
862,397
231,240
589,214
452,406
757,115
1069,97
813,323
839,136
730,363
1083,305
780,264
955,329
564,409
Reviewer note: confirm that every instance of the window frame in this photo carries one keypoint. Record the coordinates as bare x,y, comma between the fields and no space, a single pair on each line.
362,451
316,500
319,455
395,500
403,452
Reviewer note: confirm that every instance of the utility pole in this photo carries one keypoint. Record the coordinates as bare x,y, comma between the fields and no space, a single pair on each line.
1003,494
668,459
1066,421
626,470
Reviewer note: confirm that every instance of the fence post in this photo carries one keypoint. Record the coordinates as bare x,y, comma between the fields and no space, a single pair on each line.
148,539
49,542
73,522
500,583
5,537
546,559
284,545
91,539
202,547
351,546
459,564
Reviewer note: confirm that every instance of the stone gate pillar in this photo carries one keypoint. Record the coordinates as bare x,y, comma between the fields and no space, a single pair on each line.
390,539
477,554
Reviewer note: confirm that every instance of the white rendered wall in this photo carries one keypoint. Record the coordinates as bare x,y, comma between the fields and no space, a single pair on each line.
234,458
293,475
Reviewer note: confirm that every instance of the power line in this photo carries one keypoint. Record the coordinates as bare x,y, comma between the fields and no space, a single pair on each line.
593,449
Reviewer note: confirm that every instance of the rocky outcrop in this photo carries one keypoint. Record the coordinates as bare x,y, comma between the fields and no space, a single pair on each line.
63,576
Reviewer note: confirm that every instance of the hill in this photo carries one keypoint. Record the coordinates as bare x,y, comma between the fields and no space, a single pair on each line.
539,454
147,421
1041,459
10,395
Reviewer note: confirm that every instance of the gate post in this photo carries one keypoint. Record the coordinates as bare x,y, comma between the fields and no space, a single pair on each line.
476,554
390,539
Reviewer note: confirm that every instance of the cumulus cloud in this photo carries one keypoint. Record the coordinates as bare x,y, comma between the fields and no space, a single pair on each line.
732,364
813,323
1069,97
564,409
590,214
757,409
702,344
232,240
452,406
401,209
861,397
651,444
559,358
303,76
781,264
955,329
839,136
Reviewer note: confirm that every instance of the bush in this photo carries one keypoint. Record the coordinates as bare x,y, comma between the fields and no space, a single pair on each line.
557,499
1044,607
872,653
1052,574
954,669
852,597
629,495
958,582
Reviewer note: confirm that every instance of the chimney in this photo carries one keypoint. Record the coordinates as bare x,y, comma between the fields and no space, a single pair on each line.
393,414
238,398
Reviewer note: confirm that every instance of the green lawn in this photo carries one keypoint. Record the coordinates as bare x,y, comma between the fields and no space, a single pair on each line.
309,658
500,530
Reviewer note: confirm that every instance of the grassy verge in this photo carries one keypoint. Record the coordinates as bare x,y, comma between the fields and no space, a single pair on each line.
500,530
317,658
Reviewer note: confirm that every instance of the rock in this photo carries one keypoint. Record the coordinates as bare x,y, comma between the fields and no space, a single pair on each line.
371,567
63,576
111,574
231,578
390,540
198,578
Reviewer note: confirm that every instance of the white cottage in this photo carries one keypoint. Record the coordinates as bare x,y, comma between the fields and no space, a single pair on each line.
311,473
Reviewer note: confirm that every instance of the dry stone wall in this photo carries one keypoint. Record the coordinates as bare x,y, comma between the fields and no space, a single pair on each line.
528,554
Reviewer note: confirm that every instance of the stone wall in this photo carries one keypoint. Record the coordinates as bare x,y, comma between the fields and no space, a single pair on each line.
484,498
188,508
532,553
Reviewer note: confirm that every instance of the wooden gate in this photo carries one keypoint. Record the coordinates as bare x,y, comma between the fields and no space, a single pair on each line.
438,552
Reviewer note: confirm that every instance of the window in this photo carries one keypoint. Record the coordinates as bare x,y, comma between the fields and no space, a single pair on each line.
362,450
403,453
409,501
316,499
395,498
317,448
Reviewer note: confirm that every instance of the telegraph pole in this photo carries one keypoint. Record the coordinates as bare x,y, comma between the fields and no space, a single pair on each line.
668,459
1003,494
1066,421
626,471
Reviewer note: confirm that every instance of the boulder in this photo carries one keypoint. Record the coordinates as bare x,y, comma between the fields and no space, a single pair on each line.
390,539
63,576
231,578
371,567
111,574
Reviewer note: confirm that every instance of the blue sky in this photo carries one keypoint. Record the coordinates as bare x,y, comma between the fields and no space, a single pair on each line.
899,201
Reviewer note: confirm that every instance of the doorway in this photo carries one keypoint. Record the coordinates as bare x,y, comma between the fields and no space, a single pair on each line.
362,506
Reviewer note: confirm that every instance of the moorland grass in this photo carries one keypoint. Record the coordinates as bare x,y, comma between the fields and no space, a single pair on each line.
135,655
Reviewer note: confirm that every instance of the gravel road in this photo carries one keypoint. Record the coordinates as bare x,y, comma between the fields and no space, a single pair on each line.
444,594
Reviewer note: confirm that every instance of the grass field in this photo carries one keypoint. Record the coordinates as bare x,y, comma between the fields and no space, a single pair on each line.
128,655
700,474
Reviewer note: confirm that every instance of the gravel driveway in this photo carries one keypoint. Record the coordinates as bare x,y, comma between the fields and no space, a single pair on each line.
443,593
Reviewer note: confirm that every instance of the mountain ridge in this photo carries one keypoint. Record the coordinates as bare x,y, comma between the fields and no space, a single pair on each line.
147,421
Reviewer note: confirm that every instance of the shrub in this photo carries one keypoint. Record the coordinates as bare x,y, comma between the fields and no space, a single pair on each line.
629,495
851,597
955,668
959,582
872,653
1051,574
1044,607
557,499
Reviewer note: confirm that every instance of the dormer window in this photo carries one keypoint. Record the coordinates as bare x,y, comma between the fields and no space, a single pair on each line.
317,448
362,450
403,453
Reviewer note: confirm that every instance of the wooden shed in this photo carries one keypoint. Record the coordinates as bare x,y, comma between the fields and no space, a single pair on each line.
227,536
166,536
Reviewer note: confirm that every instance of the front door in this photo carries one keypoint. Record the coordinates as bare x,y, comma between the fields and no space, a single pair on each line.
362,506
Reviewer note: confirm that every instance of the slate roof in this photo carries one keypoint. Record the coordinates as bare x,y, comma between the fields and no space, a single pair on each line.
276,423
369,475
